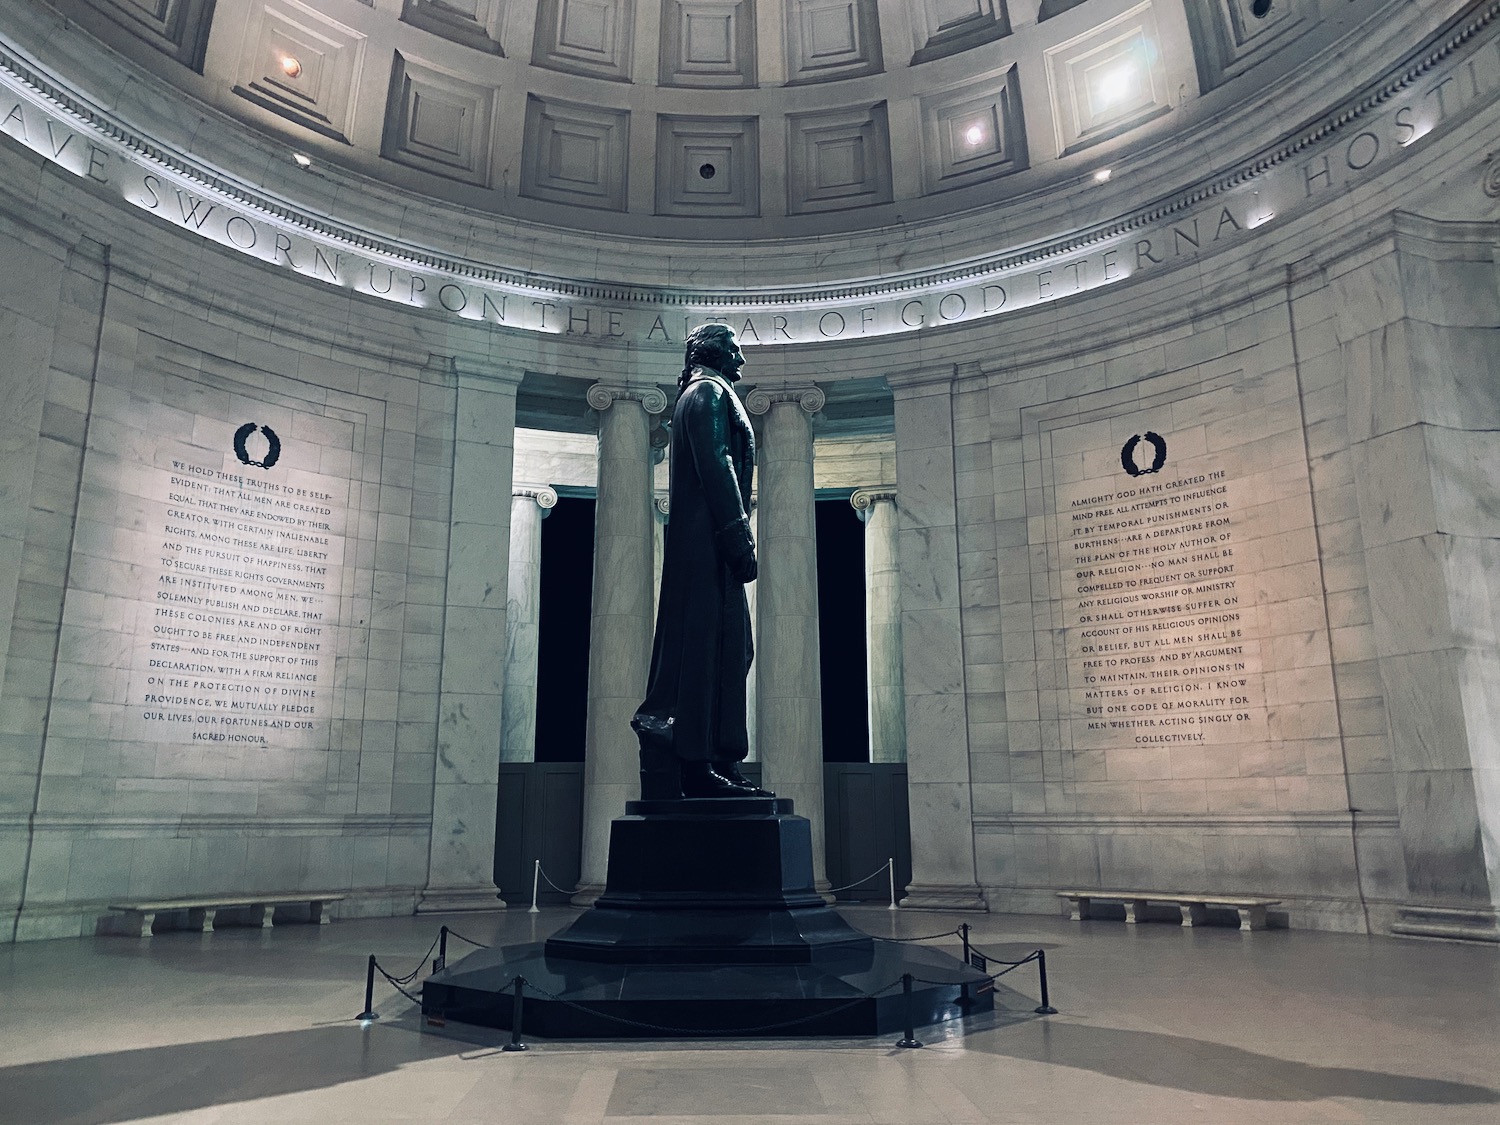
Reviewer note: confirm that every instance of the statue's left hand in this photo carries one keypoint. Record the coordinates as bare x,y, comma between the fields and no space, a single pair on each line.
737,549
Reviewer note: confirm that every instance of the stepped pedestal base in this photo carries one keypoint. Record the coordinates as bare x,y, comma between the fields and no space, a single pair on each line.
708,925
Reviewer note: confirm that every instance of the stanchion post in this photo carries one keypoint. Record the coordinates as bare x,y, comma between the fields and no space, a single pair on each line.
1046,1008
515,1043
890,866
910,1038
369,1013
536,878
963,992
442,957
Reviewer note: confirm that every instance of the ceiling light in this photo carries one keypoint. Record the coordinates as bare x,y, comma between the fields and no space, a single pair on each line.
1116,85
301,160
1102,176
290,66
974,135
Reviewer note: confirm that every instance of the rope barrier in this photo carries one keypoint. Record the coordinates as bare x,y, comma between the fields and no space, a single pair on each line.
850,886
974,958
924,937
394,983
477,944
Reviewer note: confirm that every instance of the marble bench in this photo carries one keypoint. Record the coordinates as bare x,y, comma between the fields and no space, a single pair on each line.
138,917
1252,911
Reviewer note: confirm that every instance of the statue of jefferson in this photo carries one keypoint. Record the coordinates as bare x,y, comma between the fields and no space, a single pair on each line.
692,723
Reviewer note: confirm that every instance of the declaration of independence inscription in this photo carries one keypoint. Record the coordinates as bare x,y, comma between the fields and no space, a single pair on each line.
1163,641
239,610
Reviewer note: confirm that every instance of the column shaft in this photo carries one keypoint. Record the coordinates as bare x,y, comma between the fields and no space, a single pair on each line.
789,697
883,679
620,629
528,507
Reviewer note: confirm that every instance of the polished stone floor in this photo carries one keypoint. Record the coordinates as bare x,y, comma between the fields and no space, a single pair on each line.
1157,1024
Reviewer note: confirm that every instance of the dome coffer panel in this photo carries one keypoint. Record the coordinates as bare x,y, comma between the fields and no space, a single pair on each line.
577,154
474,23
708,43
177,28
839,159
828,40
708,167
591,37
303,66
438,122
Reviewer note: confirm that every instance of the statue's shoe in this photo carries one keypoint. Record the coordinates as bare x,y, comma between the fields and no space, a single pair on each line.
701,779
730,771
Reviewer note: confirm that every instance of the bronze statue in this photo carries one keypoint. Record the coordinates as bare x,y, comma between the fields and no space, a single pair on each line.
692,723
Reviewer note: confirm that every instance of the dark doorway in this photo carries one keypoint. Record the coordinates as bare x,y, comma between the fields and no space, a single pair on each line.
866,822
562,671
539,807
841,631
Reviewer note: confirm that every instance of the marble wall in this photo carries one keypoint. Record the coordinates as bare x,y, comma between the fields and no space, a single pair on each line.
1245,492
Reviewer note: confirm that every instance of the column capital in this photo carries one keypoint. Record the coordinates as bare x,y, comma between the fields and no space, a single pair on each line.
809,396
601,396
544,495
663,505
866,498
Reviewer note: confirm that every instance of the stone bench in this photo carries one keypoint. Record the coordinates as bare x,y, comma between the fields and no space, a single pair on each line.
1252,911
138,917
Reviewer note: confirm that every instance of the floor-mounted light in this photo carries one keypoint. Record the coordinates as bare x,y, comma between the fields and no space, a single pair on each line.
301,161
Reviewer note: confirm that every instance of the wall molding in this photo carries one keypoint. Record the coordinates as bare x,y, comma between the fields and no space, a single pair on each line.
1336,820
221,824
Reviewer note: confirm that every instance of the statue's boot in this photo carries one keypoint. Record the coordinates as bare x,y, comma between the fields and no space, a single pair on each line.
701,779
661,770
730,771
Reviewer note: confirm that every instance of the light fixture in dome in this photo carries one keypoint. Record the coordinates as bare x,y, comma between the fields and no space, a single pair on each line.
1116,86
290,66
301,160
1102,176
974,135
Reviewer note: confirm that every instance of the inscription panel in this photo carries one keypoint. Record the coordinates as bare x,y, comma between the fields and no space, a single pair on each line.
239,599
1163,641
1177,608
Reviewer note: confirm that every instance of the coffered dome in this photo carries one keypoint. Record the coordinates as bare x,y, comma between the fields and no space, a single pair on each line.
746,119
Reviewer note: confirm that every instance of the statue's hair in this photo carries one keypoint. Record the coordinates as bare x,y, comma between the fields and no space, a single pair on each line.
703,347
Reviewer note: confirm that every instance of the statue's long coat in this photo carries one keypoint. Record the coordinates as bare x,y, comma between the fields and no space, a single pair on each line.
702,649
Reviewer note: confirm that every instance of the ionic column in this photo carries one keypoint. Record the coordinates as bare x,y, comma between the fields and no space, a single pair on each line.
751,692
529,505
660,510
887,703
789,696
620,628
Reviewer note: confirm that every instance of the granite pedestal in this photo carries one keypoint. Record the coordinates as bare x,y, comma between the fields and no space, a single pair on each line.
708,925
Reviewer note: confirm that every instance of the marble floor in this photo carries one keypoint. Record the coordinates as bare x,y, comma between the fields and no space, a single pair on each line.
1157,1024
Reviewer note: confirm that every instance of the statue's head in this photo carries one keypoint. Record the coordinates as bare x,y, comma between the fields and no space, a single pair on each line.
714,346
